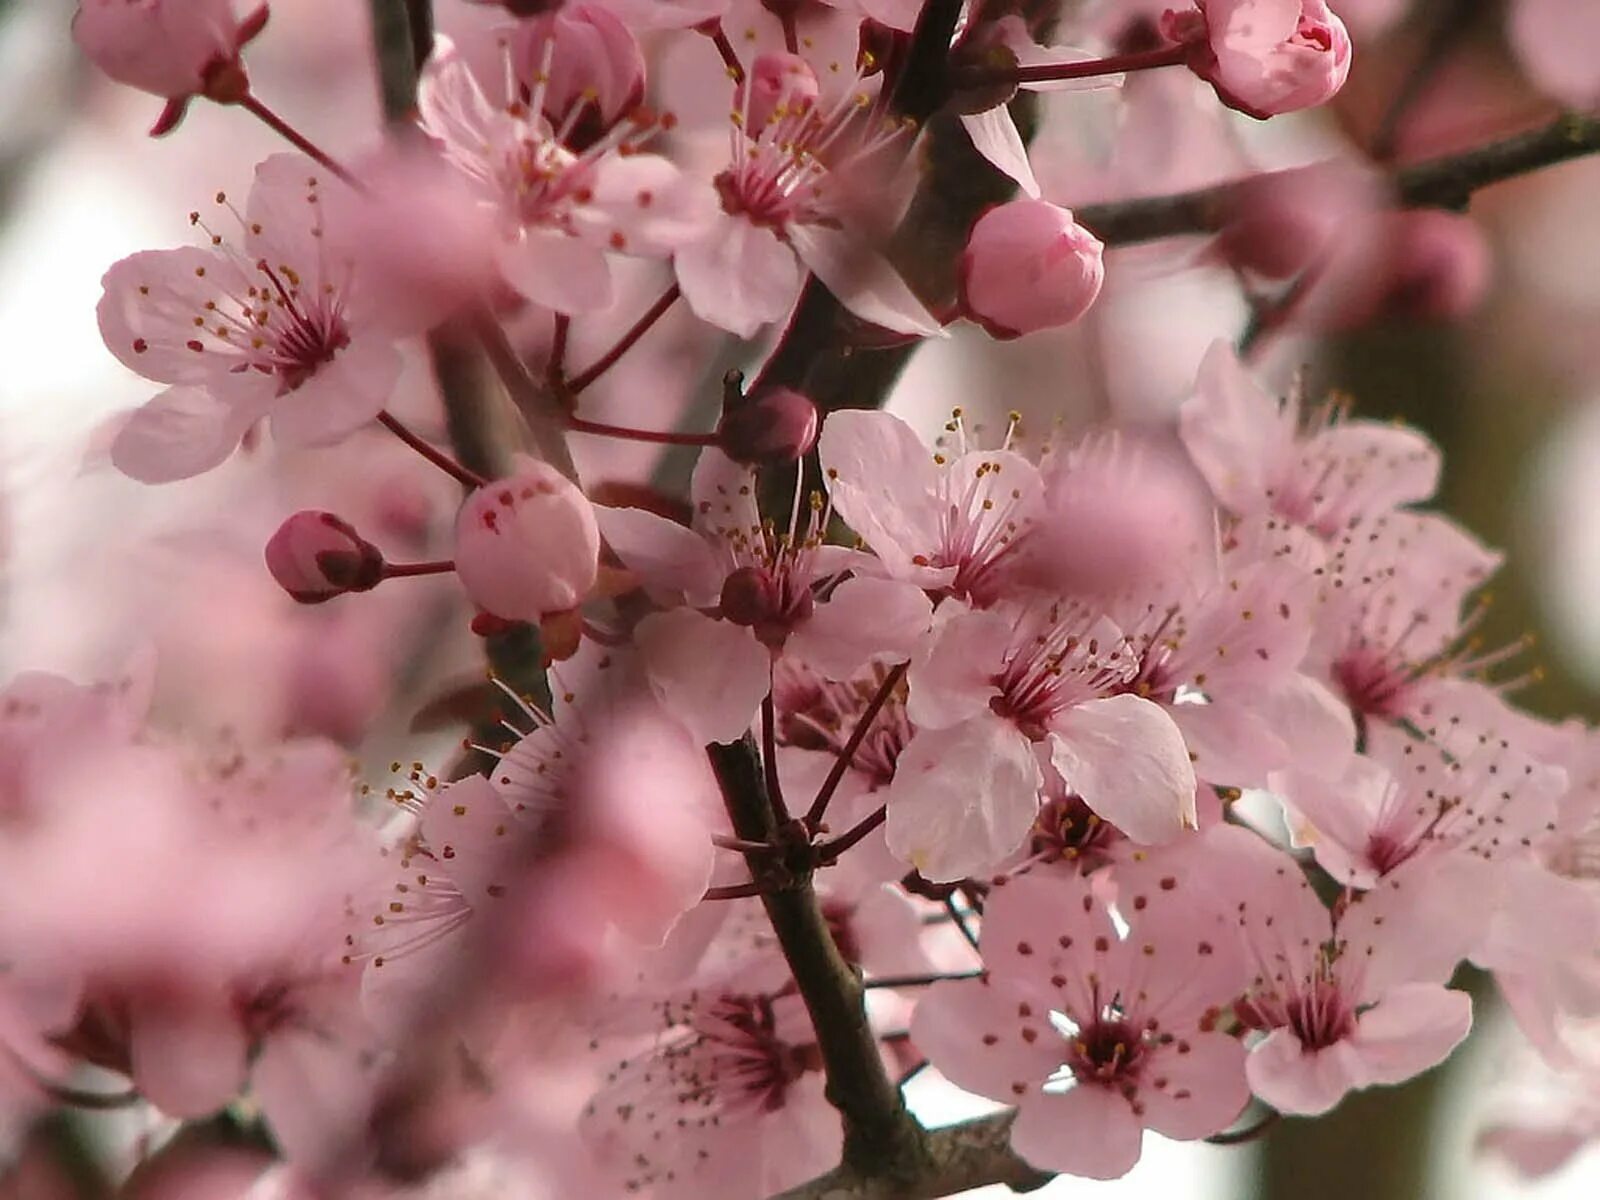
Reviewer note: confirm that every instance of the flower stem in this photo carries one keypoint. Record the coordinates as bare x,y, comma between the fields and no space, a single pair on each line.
625,343
841,764
405,570
1116,64
769,758
730,56
253,105
828,852
659,437
432,453
903,981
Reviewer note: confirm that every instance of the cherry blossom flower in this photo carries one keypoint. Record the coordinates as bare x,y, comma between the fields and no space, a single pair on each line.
562,211
1264,57
1096,1031
764,586
271,328
1350,999
787,205
585,65
943,521
992,694
1548,36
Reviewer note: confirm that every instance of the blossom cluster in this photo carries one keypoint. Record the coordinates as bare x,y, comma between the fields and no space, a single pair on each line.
1140,782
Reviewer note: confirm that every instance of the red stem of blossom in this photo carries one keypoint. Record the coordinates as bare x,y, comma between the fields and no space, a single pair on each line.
404,570
658,436
297,139
625,343
433,454
828,852
730,56
819,806
735,891
903,981
1116,64
769,759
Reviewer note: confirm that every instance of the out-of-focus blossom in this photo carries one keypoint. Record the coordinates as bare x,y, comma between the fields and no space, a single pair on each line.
1264,57
584,63
172,48
527,546
271,327
1280,223
1029,266
1554,40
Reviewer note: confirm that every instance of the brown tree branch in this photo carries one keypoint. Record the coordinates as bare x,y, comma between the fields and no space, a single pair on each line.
1445,182
960,1157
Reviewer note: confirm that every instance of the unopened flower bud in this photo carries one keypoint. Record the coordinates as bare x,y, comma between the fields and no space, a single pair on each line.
1280,223
527,545
1029,266
594,62
315,556
778,85
1264,57
777,426
171,48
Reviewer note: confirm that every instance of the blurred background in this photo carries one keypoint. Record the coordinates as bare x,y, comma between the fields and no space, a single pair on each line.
97,567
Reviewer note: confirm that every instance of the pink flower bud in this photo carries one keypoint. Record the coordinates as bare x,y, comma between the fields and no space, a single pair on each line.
580,55
172,48
527,545
1441,266
1029,266
778,86
777,426
315,556
1264,57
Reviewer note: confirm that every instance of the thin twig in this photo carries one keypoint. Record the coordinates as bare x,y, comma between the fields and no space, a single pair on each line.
841,764
904,981
252,104
430,452
828,852
1116,64
625,343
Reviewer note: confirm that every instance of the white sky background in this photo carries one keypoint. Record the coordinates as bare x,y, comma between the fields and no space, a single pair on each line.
101,191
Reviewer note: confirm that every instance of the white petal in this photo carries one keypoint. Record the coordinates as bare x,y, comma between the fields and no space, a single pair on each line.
994,135
863,280
739,277
561,272
864,620
182,432
662,552
1128,761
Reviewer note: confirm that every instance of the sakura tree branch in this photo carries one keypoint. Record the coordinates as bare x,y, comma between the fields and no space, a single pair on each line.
1445,182
958,1158
881,1138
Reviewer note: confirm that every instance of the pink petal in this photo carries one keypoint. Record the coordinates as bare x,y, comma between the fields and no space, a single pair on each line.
181,433
1126,758
188,1060
1555,39
340,398
1234,431
558,271
1204,1086
1089,1131
739,277
994,135
864,620
962,798
953,678
708,674
970,1031
863,280
651,204
1299,1081
1413,1029
664,554
883,482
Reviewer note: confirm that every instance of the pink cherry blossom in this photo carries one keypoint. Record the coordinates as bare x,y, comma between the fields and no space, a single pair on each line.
1094,1034
270,327
561,212
585,65
1549,37
786,205
527,545
988,688
1347,1000
1029,266
938,519
1264,57
1262,455
763,586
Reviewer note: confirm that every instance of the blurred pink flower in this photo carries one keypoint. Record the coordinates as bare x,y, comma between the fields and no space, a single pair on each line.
172,48
1555,40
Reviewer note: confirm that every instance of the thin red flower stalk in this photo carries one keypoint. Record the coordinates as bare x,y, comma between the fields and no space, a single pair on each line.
819,806
433,454
1116,64
625,343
